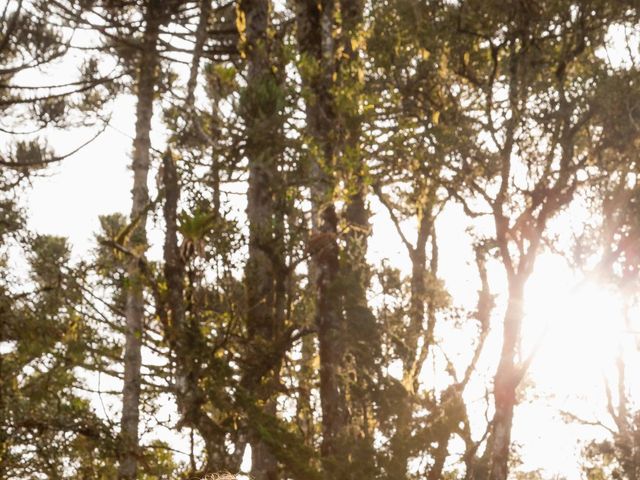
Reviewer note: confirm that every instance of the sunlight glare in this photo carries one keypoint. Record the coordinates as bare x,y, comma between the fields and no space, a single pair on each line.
578,325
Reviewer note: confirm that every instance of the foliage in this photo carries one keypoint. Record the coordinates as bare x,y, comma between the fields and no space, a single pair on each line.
290,129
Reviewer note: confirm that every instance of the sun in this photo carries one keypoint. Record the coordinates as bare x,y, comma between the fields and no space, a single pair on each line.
576,327
578,330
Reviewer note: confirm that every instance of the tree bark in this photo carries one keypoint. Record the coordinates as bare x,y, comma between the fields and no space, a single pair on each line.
506,383
134,310
360,324
263,273
315,23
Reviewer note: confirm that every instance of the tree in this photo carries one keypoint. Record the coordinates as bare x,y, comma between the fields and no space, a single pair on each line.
48,426
330,40
287,133
315,32
262,104
528,90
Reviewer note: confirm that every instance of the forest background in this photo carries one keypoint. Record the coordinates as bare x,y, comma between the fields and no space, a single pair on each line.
319,239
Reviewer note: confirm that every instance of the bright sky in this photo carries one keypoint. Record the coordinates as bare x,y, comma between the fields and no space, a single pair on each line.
580,323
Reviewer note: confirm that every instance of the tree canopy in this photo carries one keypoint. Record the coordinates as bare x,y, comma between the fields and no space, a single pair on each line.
278,299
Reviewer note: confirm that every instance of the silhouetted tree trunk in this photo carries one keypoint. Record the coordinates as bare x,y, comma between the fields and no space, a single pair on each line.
505,383
355,212
315,22
362,332
261,108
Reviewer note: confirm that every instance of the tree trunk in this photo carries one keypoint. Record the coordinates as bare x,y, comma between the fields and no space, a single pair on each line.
330,325
315,21
263,274
200,40
184,336
134,310
329,316
182,327
440,456
360,323
505,383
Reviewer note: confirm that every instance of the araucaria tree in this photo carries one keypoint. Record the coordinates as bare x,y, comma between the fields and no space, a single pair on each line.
278,299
